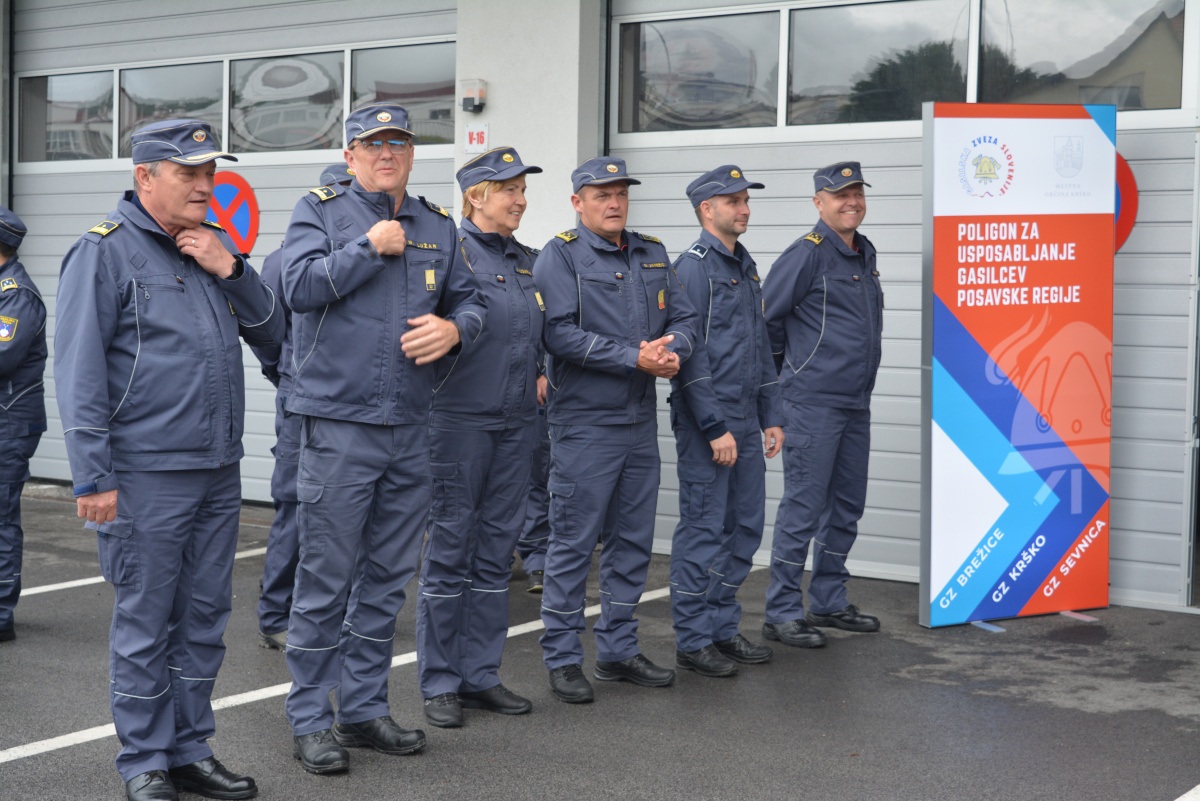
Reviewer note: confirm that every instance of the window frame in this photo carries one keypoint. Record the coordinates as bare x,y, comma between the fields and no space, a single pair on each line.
1187,116
282,158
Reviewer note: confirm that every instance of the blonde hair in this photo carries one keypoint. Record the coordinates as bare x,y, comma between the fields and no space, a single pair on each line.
480,192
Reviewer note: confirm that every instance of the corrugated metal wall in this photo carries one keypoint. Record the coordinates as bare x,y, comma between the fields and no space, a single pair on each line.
59,207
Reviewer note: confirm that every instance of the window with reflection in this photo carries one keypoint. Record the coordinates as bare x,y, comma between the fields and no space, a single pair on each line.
708,72
876,62
1125,52
185,91
286,103
418,77
66,117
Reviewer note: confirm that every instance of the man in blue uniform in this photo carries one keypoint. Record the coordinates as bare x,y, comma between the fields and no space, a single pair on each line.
22,404
150,386
283,543
721,499
616,318
824,314
378,291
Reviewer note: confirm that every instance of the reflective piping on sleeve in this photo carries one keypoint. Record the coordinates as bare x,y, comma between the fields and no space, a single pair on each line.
325,261
442,383
824,300
316,336
477,317
269,316
22,394
685,339
702,378
137,319
591,345
83,428
768,384
708,322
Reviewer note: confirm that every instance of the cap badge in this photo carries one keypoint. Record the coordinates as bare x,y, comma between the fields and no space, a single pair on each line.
612,168
847,172
507,157
384,116
199,136
735,174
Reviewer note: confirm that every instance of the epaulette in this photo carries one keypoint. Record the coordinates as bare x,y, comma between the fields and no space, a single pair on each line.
698,250
568,236
815,238
435,207
104,229
9,283
212,224
649,238
324,192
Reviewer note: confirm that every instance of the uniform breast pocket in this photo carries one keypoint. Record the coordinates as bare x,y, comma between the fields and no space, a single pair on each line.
656,304
602,306
165,315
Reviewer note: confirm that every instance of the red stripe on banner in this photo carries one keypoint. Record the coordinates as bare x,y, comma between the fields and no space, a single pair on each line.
1001,111
1080,578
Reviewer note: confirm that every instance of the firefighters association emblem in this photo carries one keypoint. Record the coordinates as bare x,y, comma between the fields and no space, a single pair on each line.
986,167
199,136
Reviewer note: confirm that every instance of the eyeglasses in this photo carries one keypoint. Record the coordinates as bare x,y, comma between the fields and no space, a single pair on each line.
375,146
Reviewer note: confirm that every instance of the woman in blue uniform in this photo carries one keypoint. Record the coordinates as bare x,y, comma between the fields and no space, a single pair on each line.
481,437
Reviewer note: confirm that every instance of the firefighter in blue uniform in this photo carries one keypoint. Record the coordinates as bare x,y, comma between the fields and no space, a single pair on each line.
481,435
22,404
824,314
721,500
379,291
150,386
283,543
616,318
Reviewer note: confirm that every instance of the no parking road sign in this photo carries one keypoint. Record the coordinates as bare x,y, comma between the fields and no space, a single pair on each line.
235,208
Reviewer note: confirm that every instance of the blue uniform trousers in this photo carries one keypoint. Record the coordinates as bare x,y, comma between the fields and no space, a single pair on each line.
283,543
593,467
364,497
535,532
721,512
825,453
14,472
169,556
480,482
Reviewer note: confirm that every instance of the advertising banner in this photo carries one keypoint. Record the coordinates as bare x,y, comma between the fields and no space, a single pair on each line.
1016,359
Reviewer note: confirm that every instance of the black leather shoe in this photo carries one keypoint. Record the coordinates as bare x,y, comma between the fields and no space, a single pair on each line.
9,634
637,669
383,734
848,619
706,661
536,582
795,633
739,649
570,685
319,753
151,786
444,711
496,699
211,779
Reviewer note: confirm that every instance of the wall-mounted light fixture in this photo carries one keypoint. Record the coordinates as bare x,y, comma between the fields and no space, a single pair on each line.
474,94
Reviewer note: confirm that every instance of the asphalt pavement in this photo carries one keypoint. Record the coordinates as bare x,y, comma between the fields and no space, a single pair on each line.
1052,707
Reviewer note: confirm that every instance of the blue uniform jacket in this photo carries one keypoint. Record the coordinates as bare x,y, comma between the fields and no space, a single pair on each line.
824,315
22,353
601,303
724,287
147,361
349,304
494,385
276,360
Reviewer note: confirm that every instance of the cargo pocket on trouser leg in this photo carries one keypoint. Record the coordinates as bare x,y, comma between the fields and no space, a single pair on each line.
696,481
120,561
313,529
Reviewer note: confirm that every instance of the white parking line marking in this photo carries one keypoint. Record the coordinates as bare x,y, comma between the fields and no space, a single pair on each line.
100,732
